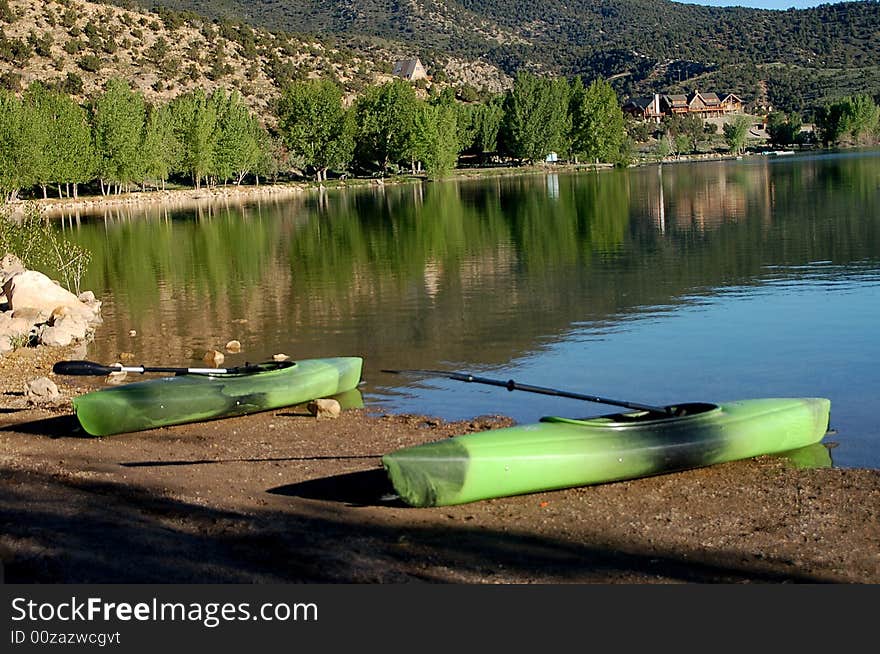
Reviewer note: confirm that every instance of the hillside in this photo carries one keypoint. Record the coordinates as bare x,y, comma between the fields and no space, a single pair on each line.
795,59
76,46
651,45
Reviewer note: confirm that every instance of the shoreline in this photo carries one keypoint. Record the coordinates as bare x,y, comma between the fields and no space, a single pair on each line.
283,497
191,197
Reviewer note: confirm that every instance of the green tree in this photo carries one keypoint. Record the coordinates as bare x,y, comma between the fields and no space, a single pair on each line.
159,146
861,116
690,128
38,118
736,133
316,126
15,137
437,138
598,129
194,121
487,119
64,149
385,117
70,140
237,140
535,117
118,117
783,128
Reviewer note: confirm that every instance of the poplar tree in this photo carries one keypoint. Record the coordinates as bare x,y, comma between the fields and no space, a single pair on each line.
487,119
194,120
237,139
385,118
13,139
38,118
598,129
118,117
159,146
70,145
315,125
736,133
436,138
535,117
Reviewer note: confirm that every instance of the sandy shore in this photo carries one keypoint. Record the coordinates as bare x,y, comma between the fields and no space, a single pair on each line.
282,497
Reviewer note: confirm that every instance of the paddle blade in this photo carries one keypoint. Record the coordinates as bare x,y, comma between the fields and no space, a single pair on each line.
83,368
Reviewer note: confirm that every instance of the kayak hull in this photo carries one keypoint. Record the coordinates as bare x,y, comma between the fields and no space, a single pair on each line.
562,453
195,397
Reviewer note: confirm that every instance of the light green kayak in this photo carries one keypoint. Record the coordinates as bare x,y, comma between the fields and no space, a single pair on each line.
195,397
562,453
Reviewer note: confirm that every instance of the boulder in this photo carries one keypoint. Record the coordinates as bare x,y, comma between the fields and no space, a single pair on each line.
324,408
10,266
42,391
214,358
34,290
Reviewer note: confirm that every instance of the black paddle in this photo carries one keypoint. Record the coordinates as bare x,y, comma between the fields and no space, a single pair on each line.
91,368
515,386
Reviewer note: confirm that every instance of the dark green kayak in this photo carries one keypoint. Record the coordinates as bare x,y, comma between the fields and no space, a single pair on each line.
562,453
195,397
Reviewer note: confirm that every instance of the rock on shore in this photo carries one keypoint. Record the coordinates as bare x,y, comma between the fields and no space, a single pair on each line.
35,310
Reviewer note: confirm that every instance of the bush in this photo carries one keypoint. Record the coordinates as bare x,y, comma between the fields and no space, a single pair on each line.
40,246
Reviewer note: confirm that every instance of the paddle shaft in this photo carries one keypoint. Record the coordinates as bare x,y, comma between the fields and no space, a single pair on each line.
512,385
91,368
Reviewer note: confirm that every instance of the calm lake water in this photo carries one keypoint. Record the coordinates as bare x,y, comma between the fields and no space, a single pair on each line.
712,281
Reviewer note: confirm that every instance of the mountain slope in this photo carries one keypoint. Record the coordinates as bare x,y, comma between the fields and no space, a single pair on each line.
650,45
560,32
795,60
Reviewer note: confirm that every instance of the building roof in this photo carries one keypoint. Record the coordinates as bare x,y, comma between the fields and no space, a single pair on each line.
407,67
641,103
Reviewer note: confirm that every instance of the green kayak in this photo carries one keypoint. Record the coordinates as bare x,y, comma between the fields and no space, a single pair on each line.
194,397
562,453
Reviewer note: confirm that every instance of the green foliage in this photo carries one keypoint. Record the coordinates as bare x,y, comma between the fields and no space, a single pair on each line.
783,129
195,123
90,63
39,244
118,121
736,133
385,125
159,145
315,125
436,138
852,119
598,130
690,128
238,140
23,142
536,117
487,119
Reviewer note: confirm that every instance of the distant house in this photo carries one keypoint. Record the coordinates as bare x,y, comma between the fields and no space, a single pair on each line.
410,69
732,104
675,104
646,108
704,105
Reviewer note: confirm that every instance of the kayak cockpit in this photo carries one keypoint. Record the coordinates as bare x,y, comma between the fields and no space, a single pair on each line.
676,412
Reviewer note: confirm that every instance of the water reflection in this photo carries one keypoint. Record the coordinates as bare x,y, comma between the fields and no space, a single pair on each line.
498,272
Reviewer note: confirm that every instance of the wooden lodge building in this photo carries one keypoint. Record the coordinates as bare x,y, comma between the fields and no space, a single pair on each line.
703,105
